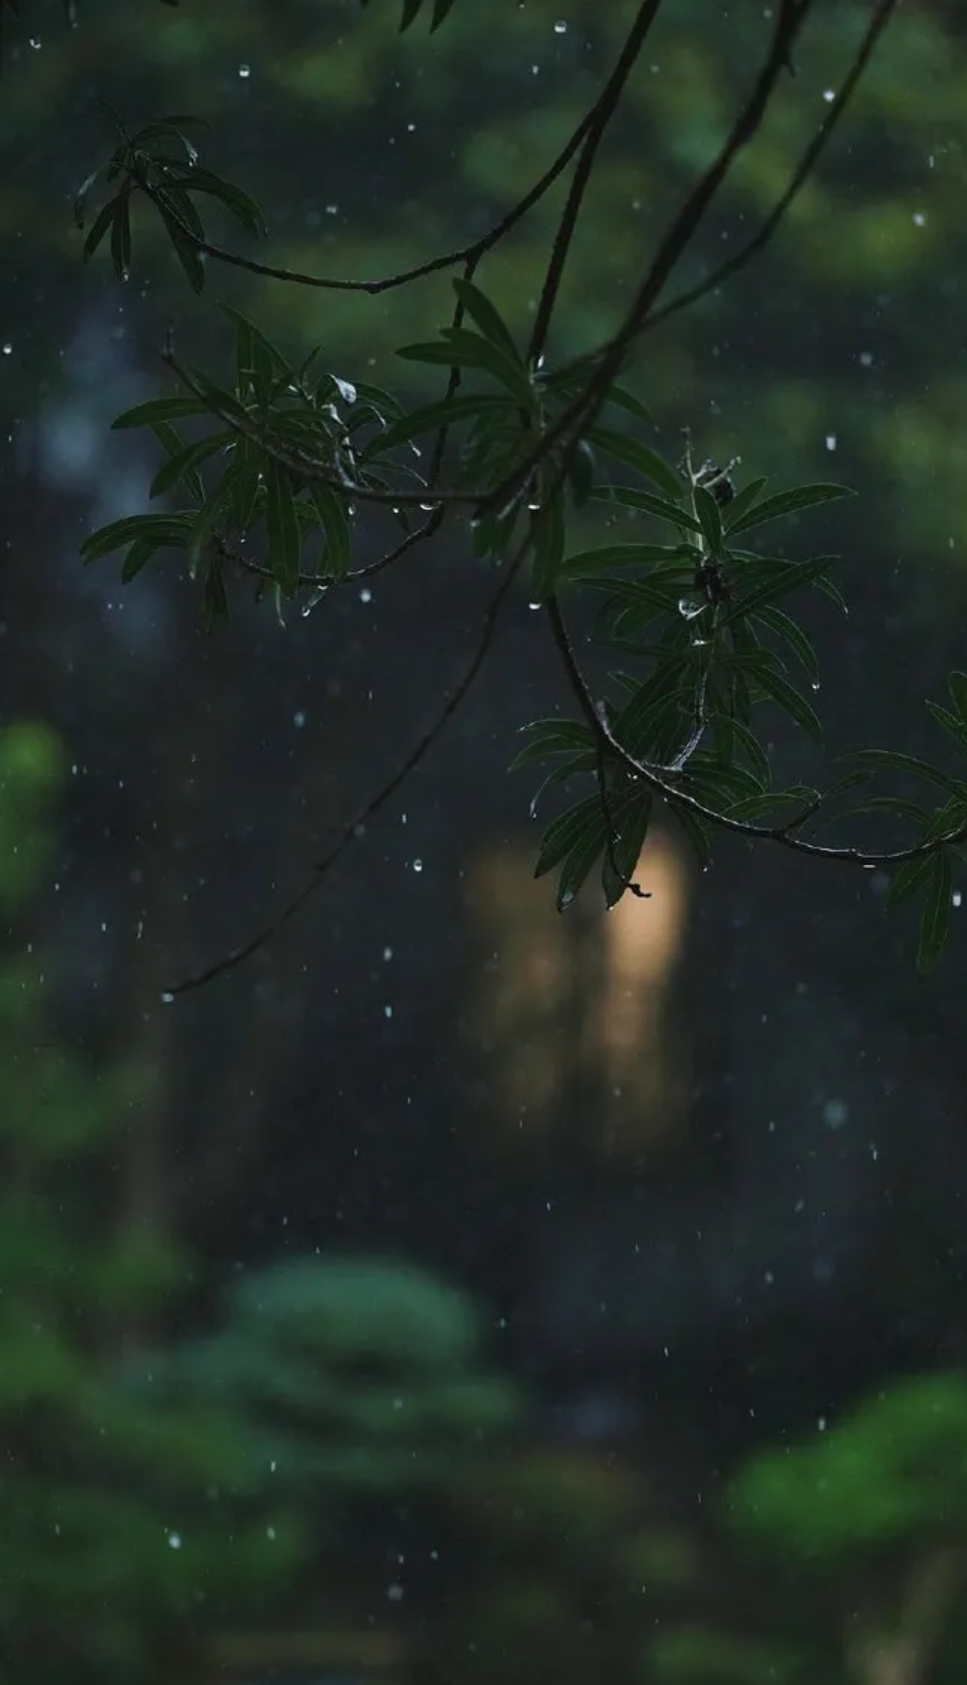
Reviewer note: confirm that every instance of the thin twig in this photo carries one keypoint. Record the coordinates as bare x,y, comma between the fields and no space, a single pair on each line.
471,253
601,116
373,805
800,176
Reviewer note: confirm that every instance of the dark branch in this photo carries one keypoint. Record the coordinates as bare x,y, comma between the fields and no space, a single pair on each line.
661,779
375,803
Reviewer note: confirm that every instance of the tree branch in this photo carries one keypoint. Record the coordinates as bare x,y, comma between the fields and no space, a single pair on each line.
373,805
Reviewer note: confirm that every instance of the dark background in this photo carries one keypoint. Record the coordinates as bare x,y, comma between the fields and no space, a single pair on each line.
701,1162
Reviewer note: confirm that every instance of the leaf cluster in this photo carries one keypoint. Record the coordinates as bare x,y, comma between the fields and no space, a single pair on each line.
700,630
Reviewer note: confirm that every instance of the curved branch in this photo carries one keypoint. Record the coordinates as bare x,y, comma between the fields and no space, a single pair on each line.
470,253
659,778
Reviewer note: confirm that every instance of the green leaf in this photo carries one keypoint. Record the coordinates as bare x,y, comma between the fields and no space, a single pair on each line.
663,507
743,500
567,831
621,859
588,563
203,528
257,362
171,530
900,806
551,737
957,685
935,921
779,579
784,627
547,538
580,473
459,348
580,861
170,208
160,409
445,412
788,503
441,10
282,522
246,210
488,319
710,517
766,801
635,455
625,400
335,523
892,760
137,557
182,465
102,222
950,722
906,879
121,235
696,830
755,754
790,699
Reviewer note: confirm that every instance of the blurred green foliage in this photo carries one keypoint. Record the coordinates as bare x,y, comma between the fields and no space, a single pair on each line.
355,1375
112,1543
894,1473
146,1500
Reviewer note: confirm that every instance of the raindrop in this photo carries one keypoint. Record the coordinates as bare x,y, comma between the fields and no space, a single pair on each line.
417,865
365,595
560,28
690,607
174,1540
7,348
167,998
956,898
829,94
299,720
245,70
387,1012
831,441
919,218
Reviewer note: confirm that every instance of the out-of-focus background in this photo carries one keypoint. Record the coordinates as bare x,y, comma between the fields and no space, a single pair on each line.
457,1292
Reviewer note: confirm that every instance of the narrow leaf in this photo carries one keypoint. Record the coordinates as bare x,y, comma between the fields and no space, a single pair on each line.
788,503
935,921
488,319
282,524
